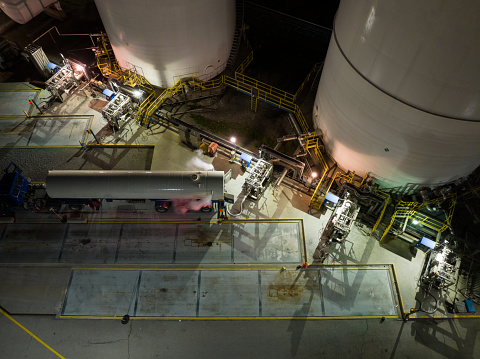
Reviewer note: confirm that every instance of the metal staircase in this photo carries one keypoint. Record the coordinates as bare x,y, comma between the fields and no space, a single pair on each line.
237,37
106,61
321,191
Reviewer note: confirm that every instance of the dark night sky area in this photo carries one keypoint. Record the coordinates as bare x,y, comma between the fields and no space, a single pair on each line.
320,12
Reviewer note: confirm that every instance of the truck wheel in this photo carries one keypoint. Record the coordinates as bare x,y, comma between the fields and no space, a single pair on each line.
206,209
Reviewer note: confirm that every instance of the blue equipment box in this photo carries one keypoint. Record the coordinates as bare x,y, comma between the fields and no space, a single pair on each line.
109,94
470,306
246,158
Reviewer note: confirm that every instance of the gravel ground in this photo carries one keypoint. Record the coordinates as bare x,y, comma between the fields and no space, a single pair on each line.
36,163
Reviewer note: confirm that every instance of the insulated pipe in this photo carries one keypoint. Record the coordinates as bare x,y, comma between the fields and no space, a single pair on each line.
135,184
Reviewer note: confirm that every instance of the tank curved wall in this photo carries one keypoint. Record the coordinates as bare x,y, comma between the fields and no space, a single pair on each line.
170,38
22,11
400,90
135,184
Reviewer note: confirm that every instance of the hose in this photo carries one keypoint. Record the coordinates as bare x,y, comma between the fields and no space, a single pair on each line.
241,206
435,306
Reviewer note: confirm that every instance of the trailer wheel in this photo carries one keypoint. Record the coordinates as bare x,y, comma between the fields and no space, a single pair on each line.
162,206
75,207
206,209
161,209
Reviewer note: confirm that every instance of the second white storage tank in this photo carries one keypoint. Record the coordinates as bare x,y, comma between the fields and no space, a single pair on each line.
400,90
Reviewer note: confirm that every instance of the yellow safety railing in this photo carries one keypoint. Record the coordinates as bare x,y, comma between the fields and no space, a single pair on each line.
387,199
419,217
244,63
301,119
144,106
451,209
241,82
364,178
410,205
106,61
132,78
206,85
249,57
185,76
319,196
265,87
311,140
419,205
317,67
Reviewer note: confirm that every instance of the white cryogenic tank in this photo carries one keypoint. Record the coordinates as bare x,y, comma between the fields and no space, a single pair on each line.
169,39
22,11
135,184
400,90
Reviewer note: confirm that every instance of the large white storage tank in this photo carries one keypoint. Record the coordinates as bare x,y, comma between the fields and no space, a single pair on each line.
170,38
22,11
400,90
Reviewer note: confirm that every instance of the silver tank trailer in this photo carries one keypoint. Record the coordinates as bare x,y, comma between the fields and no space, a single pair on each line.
135,184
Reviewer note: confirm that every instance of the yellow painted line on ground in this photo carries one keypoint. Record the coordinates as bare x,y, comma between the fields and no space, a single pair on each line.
11,117
30,90
231,318
152,222
178,222
31,334
36,147
180,269
21,117
118,145
455,316
270,220
397,287
357,264
63,116
77,146
350,268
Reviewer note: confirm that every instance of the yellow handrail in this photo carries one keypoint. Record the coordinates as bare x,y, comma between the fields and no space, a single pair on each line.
387,199
420,217
317,67
315,198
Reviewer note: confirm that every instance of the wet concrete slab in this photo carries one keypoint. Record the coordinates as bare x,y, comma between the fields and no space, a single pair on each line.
93,243
231,293
33,290
147,243
270,242
291,293
31,243
13,103
204,243
16,132
101,293
45,131
168,293
154,243
59,131
356,292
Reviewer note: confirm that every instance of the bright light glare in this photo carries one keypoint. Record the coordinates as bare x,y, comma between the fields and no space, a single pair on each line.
233,139
137,93
415,221
78,68
314,174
